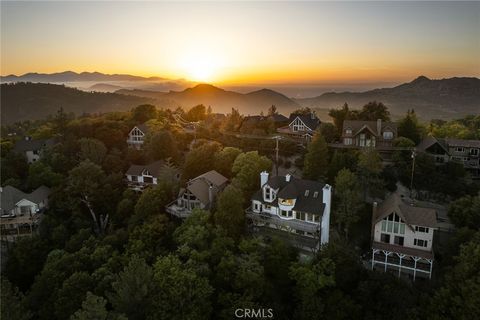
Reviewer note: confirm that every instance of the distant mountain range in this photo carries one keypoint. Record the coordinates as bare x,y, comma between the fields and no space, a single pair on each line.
70,76
444,99
221,100
441,99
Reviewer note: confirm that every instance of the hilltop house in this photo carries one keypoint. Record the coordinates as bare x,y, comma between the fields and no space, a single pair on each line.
402,237
377,134
199,192
32,148
136,136
21,212
295,209
301,127
465,152
141,176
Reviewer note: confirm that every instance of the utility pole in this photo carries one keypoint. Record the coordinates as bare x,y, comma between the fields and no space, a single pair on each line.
414,154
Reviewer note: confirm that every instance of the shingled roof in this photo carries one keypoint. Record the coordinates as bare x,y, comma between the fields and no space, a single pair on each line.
10,196
308,193
309,120
32,144
200,186
430,141
357,125
153,168
411,214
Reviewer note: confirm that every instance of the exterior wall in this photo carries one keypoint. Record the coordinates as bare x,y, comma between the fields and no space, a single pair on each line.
140,179
409,237
32,156
135,138
25,203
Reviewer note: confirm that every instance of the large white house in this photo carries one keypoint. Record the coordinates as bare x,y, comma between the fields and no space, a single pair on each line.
403,237
136,136
200,192
297,209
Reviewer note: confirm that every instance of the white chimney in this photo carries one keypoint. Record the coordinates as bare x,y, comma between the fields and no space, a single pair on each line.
312,114
325,226
287,177
379,126
263,178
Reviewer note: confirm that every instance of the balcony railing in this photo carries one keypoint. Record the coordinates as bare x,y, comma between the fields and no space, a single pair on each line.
263,217
174,209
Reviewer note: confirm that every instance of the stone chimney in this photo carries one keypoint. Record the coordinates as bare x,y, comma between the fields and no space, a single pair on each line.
287,177
379,126
263,178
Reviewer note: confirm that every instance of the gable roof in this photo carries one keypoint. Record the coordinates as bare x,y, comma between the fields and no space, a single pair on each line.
297,189
311,123
32,144
200,186
412,215
142,127
154,168
357,125
277,117
213,177
10,196
430,141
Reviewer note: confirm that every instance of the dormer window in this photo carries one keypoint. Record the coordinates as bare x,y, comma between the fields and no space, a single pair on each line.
388,135
268,194
348,131
146,173
315,194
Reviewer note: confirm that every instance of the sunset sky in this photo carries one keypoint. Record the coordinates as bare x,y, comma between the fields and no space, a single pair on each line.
248,42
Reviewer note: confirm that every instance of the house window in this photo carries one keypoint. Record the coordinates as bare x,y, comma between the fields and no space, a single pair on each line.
315,194
287,202
348,131
398,241
307,192
385,238
388,135
362,140
474,152
134,178
347,141
298,125
256,206
25,209
393,224
459,149
300,215
316,218
287,214
421,229
268,193
420,243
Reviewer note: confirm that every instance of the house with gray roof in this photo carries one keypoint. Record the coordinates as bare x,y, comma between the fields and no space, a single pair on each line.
465,152
136,136
402,237
297,210
32,148
301,127
200,192
20,211
360,134
141,176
